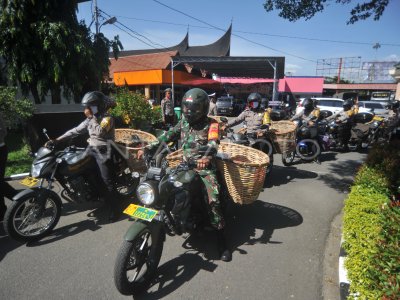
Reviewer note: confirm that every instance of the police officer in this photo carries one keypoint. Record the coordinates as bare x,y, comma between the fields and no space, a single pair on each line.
344,118
212,111
167,108
100,126
194,130
309,115
254,115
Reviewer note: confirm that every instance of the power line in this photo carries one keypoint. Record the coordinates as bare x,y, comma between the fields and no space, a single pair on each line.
266,34
243,38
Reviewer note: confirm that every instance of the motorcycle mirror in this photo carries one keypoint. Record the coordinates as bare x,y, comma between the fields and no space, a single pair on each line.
45,133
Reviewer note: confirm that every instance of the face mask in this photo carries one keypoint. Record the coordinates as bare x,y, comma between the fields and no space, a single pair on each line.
255,104
94,109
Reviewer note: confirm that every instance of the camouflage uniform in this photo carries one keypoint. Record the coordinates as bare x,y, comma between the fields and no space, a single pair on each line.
191,138
253,119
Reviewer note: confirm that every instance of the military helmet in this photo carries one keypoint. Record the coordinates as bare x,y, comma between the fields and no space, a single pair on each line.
195,105
308,104
95,98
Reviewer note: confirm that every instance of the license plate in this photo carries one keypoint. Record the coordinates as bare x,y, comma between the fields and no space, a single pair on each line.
29,181
223,110
140,212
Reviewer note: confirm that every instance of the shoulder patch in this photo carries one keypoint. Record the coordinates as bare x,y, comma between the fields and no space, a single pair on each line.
213,132
105,123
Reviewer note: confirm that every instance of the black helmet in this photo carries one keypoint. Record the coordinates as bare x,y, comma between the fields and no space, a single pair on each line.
95,98
308,104
393,105
347,104
253,97
264,103
195,104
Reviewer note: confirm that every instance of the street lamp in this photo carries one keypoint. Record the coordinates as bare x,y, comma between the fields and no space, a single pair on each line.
111,20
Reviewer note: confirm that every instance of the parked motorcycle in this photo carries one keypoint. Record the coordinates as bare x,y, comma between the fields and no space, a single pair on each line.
331,133
172,203
262,142
307,145
35,211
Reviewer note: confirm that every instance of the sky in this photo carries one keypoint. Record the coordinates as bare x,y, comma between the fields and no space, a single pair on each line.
255,32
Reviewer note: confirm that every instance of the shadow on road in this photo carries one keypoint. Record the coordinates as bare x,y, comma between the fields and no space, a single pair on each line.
259,216
283,175
6,244
341,174
176,272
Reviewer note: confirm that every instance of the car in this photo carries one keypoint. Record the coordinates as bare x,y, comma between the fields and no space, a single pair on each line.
229,106
377,107
334,105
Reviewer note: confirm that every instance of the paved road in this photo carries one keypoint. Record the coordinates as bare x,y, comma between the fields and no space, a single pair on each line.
279,244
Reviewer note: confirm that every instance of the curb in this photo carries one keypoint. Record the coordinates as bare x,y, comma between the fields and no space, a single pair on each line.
344,284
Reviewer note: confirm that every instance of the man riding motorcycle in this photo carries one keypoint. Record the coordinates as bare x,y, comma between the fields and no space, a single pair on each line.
100,126
343,118
254,115
194,130
309,115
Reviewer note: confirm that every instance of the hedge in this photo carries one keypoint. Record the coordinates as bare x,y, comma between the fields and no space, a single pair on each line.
371,227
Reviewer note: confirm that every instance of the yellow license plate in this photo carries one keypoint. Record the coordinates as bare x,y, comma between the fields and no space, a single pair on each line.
140,212
29,181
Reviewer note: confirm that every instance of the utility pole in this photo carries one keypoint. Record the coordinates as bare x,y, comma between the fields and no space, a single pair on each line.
96,16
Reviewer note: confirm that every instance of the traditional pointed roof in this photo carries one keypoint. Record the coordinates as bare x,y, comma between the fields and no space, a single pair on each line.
217,49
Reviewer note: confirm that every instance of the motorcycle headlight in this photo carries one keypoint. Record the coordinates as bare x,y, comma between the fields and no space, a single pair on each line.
36,168
146,193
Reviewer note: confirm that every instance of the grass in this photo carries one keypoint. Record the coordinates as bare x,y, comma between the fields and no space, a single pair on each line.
19,160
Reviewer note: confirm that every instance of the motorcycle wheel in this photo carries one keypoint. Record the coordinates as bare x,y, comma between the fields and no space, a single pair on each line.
137,262
287,158
25,219
308,149
266,147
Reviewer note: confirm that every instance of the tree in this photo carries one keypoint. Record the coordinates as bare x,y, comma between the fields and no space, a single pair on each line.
14,109
45,48
294,10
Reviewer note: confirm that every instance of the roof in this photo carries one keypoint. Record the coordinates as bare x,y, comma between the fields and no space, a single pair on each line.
237,66
154,61
219,48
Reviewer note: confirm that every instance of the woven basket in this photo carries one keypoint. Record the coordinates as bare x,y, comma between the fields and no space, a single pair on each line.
123,137
283,134
243,174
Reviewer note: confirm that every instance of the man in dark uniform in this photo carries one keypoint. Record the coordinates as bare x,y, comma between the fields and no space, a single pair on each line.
100,126
194,130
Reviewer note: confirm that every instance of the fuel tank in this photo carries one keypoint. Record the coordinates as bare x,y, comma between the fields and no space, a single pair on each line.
76,163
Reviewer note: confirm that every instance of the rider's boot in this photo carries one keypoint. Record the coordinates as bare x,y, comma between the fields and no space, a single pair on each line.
224,252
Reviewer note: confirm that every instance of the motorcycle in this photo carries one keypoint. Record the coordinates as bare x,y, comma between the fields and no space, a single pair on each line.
330,133
262,142
307,145
367,129
173,202
35,211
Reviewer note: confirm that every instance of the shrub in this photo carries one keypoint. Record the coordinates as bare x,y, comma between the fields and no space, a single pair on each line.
371,227
14,109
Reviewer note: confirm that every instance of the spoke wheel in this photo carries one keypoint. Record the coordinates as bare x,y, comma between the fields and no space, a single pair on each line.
137,263
27,218
308,149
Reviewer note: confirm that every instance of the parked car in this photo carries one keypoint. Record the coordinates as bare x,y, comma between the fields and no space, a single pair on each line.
228,106
377,107
332,104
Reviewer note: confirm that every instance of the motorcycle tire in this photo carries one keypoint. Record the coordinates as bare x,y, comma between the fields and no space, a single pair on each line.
266,147
26,212
311,152
133,256
287,158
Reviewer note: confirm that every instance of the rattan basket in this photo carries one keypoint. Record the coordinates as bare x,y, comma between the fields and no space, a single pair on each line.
123,137
243,173
283,134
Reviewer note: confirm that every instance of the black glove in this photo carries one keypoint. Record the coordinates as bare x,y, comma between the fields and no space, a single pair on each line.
51,143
